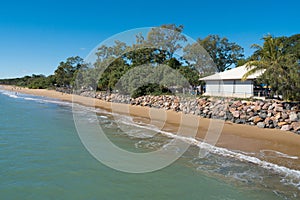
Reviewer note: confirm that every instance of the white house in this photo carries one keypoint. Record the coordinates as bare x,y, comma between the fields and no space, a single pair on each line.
229,83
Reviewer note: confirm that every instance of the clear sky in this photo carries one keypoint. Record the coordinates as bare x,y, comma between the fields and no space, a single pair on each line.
37,35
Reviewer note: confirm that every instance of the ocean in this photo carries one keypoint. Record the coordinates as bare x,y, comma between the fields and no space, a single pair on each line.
42,157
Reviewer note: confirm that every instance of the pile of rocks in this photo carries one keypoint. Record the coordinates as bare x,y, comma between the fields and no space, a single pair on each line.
264,114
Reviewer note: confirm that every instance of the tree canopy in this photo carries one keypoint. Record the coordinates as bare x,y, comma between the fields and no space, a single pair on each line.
280,63
224,53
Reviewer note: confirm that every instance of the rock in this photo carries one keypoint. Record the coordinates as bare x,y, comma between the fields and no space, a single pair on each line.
277,116
221,113
296,126
287,106
257,119
243,116
240,121
232,109
266,106
251,114
244,102
205,111
261,103
248,110
280,124
261,125
293,117
268,120
236,114
257,108
271,126
263,115
279,108
271,107
197,112
285,128
270,114
284,115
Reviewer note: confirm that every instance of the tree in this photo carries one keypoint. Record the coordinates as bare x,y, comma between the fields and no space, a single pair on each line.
66,71
223,52
166,37
281,68
292,45
146,58
197,58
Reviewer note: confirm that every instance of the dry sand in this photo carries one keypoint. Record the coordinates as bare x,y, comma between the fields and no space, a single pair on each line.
244,138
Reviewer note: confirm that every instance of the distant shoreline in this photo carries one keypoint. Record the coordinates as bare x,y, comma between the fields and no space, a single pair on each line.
239,137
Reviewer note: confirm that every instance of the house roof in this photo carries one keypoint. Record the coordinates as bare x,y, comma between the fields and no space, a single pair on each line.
232,74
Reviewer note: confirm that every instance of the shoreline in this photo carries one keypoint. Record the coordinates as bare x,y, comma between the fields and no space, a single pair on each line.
261,143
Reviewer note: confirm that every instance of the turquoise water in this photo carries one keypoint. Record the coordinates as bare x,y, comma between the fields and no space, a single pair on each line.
42,157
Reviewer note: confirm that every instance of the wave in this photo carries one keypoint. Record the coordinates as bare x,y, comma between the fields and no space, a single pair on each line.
272,153
291,176
9,94
38,99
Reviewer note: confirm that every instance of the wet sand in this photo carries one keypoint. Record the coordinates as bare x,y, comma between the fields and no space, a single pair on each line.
261,143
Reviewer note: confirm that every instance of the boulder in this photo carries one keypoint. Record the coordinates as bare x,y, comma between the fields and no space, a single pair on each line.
277,116
240,121
266,106
271,107
261,125
279,108
263,115
293,117
221,113
280,124
257,119
286,127
257,108
284,115
236,114
243,116
296,126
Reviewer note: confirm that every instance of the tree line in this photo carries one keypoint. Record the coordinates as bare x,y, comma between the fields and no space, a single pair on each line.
278,56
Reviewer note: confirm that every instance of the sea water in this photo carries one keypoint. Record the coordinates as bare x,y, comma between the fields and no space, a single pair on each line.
42,157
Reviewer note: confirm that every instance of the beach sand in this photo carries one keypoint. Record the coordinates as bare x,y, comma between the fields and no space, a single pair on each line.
261,143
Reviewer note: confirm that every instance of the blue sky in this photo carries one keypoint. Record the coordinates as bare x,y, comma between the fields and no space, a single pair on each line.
37,35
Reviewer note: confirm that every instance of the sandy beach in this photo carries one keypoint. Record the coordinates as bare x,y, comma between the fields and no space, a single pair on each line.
271,145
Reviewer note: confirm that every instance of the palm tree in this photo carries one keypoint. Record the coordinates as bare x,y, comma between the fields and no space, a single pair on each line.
268,56
278,66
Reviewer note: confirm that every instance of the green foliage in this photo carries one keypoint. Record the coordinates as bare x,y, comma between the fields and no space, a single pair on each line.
223,52
34,81
150,89
65,72
142,63
63,77
190,74
281,66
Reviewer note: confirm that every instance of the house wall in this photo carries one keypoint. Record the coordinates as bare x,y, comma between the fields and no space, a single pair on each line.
230,88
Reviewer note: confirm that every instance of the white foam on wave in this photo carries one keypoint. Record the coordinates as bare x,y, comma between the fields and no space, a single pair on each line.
31,99
292,176
273,153
34,98
9,94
